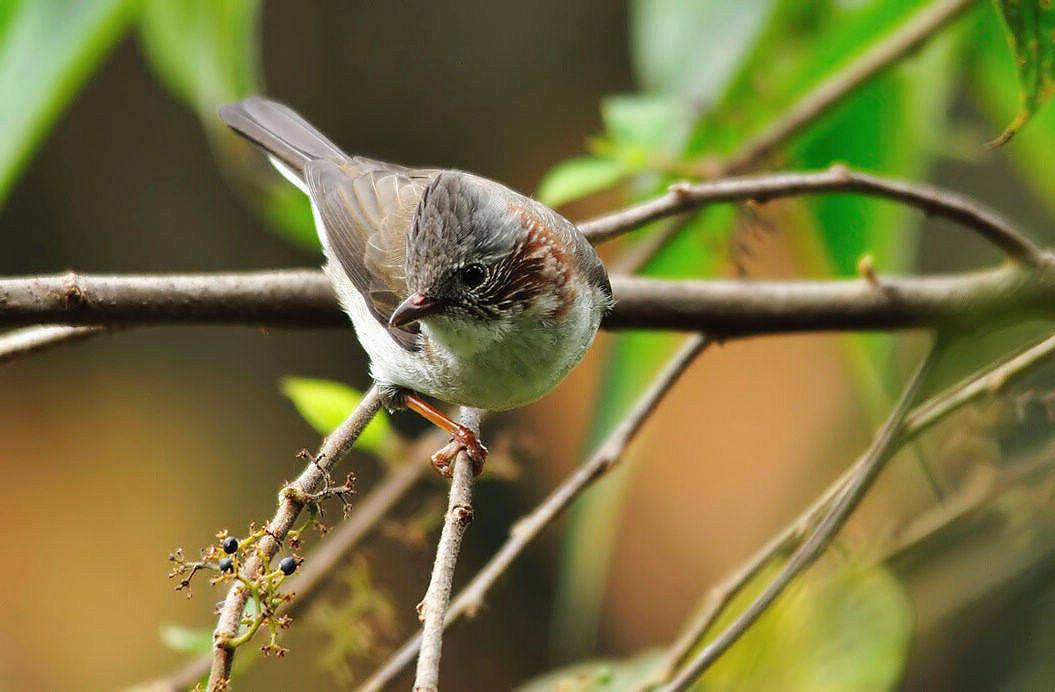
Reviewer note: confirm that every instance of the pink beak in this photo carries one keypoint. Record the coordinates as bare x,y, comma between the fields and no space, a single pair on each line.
416,306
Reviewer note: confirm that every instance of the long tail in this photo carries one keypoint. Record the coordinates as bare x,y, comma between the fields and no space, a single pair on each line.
285,135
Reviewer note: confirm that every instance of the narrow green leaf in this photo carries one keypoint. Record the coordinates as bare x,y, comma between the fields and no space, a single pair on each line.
578,177
48,48
187,640
204,51
1030,27
993,94
324,404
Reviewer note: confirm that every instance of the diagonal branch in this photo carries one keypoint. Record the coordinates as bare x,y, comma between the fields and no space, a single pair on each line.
528,529
291,502
21,342
986,382
885,52
849,496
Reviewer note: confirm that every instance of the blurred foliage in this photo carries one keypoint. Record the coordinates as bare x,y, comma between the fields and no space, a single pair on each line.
48,48
325,404
690,120
842,626
712,75
1030,28
204,51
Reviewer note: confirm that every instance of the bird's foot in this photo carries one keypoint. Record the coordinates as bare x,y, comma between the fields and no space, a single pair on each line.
462,439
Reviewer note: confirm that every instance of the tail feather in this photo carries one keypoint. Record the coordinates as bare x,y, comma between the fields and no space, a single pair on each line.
281,132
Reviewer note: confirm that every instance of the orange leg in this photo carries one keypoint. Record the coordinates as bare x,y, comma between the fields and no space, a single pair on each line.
461,436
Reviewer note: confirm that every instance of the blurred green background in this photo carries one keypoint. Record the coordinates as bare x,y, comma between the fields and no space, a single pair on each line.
116,450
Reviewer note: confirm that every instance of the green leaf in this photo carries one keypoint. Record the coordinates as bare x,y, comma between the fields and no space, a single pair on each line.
578,177
325,404
48,48
692,48
204,51
838,627
641,127
1030,27
187,640
803,44
992,93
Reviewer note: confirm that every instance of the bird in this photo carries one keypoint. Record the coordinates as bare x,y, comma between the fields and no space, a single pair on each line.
459,288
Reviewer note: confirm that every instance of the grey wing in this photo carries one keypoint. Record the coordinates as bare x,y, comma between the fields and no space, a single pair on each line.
366,208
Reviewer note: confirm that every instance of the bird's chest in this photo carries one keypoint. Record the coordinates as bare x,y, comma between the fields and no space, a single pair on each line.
479,370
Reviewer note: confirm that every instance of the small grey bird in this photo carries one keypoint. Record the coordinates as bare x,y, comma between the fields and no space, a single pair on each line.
459,288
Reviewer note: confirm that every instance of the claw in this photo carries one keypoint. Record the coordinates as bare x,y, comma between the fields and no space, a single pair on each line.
443,458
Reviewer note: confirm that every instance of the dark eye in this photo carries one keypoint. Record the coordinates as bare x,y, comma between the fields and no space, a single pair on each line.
472,275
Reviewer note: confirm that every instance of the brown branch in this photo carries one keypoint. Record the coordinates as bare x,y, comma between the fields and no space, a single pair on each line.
433,607
933,201
283,298
291,501
729,308
528,528
849,496
318,566
732,308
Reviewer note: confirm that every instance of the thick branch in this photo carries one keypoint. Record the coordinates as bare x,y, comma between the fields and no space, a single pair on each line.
284,298
723,307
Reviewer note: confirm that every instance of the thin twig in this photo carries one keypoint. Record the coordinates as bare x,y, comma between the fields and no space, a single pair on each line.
988,382
884,446
368,513
933,201
885,52
433,607
311,480
528,528
22,342
723,593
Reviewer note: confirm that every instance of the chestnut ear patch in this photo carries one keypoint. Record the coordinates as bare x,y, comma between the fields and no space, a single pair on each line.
542,269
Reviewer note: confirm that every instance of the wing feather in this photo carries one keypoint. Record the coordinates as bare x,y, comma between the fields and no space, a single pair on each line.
366,209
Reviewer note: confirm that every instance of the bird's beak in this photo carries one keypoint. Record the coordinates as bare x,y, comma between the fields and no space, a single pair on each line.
416,306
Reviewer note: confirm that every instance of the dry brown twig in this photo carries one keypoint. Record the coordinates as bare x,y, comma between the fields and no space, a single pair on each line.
469,600
433,607
291,502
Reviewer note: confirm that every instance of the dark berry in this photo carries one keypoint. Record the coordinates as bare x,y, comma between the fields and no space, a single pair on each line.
230,544
288,566
226,565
